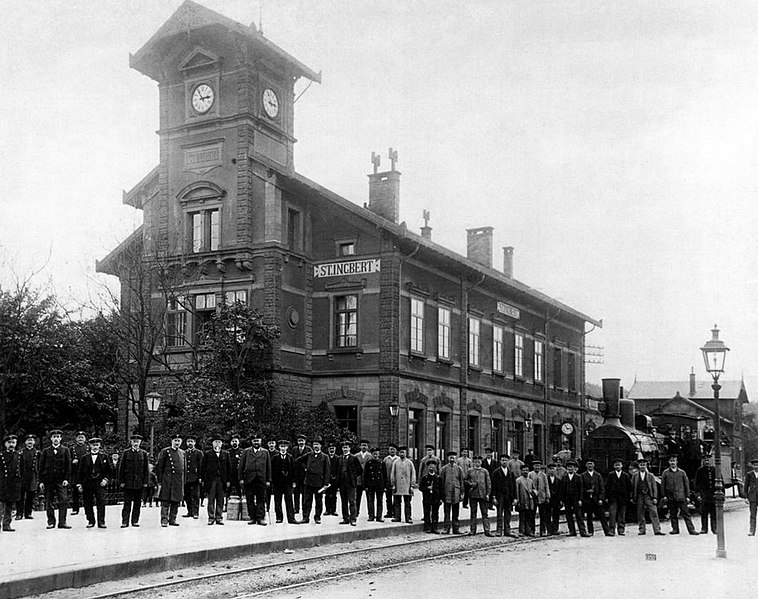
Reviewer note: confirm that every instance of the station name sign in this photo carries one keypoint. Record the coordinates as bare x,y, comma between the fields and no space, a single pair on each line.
352,267
508,310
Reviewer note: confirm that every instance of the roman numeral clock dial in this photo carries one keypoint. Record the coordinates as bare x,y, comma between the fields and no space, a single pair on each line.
202,98
270,103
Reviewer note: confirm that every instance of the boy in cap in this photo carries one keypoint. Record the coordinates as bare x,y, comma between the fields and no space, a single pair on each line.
55,476
751,494
10,480
618,492
94,473
29,456
215,478
133,476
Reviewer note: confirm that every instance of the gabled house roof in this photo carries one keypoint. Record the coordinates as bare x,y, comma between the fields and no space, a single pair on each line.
650,390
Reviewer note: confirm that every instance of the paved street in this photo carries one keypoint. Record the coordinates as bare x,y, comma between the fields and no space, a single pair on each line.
672,566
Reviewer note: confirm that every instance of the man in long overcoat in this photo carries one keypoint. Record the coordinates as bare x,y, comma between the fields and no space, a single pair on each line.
133,476
255,477
751,494
55,478
29,456
403,482
169,470
503,496
451,476
10,480
215,477
705,487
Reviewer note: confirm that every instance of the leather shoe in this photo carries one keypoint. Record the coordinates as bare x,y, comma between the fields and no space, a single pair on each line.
9,529
219,522
486,534
124,526
102,526
90,525
261,523
173,524
660,534
50,526
135,524
64,526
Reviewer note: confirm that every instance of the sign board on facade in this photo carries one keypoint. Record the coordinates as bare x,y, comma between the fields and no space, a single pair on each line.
352,267
201,159
508,310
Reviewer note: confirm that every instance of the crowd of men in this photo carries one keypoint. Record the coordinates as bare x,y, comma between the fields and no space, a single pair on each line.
307,480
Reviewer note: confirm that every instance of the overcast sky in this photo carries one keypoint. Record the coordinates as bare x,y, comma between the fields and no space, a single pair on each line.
613,143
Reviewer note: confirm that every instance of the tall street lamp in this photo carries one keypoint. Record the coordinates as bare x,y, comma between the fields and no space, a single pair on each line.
153,400
394,412
714,354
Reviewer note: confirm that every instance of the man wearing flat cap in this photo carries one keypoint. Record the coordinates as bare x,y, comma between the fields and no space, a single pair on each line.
78,450
751,494
255,477
94,473
10,480
618,492
29,456
215,478
55,477
134,475
193,459
169,471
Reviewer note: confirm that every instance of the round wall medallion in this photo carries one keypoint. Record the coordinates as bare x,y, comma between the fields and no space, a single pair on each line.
293,317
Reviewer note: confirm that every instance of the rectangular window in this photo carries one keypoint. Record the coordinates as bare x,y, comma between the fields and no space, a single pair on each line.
232,297
496,436
417,325
443,431
176,323
346,249
443,333
497,348
557,373
473,341
539,361
415,432
346,320
571,372
347,418
473,434
518,354
204,230
293,229
205,308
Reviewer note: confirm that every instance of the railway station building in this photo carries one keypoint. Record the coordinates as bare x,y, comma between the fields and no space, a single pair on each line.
406,340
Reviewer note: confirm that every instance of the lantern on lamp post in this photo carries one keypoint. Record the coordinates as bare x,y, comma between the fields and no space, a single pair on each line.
153,400
714,355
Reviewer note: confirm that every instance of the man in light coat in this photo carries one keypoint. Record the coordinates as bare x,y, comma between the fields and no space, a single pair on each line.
452,479
403,479
169,471
675,486
479,491
542,488
645,497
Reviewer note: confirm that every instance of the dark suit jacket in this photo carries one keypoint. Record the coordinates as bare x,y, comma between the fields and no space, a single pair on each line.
556,489
133,472
213,467
317,468
751,486
489,465
10,476
255,466
618,488
503,485
573,490
373,475
348,470
29,468
54,469
705,482
282,471
89,475
593,485
193,459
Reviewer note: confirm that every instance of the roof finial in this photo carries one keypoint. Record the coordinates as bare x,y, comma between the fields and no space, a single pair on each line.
376,160
393,158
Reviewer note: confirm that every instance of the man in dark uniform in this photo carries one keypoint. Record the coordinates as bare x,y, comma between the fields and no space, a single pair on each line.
55,476
349,469
298,452
618,493
315,481
573,493
488,463
92,478
330,495
215,477
255,477
271,447
78,451
235,452
193,459
374,483
169,471
555,484
503,496
594,497
10,480
133,476
29,456
705,487
282,482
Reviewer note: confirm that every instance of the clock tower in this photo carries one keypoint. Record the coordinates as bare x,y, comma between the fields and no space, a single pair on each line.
226,124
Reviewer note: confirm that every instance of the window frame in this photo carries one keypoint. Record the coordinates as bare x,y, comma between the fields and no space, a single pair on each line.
474,339
539,361
518,355
417,345
338,324
444,332
208,227
498,336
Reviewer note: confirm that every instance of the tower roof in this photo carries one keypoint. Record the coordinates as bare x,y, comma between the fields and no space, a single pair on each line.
192,17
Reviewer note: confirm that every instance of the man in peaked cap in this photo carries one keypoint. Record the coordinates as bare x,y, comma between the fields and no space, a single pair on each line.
78,450
133,476
255,478
169,471
55,478
10,480
298,452
282,481
193,459
215,478
235,453
315,482
618,490
29,456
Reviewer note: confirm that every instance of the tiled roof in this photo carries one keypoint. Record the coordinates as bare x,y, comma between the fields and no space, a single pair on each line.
668,389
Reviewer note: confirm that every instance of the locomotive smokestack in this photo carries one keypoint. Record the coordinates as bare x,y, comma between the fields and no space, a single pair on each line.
611,394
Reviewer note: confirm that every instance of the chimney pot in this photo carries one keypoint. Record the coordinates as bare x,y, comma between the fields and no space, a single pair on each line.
692,383
508,261
480,245
384,190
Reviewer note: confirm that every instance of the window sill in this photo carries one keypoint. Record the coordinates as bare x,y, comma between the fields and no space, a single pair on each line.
473,367
345,350
414,355
446,361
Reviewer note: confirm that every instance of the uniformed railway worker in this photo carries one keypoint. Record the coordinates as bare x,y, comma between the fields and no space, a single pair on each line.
55,477
29,456
10,480
133,476
169,470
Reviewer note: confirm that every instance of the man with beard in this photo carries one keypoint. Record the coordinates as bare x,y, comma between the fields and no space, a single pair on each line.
169,471
255,477
235,453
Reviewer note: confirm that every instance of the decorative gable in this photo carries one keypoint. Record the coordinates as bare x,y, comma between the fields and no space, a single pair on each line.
199,58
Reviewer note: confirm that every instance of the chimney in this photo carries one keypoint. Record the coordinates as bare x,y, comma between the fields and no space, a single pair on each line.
480,245
692,383
426,230
384,189
508,261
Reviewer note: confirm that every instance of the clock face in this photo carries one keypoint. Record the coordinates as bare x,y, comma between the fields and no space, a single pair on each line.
270,103
202,98
567,428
